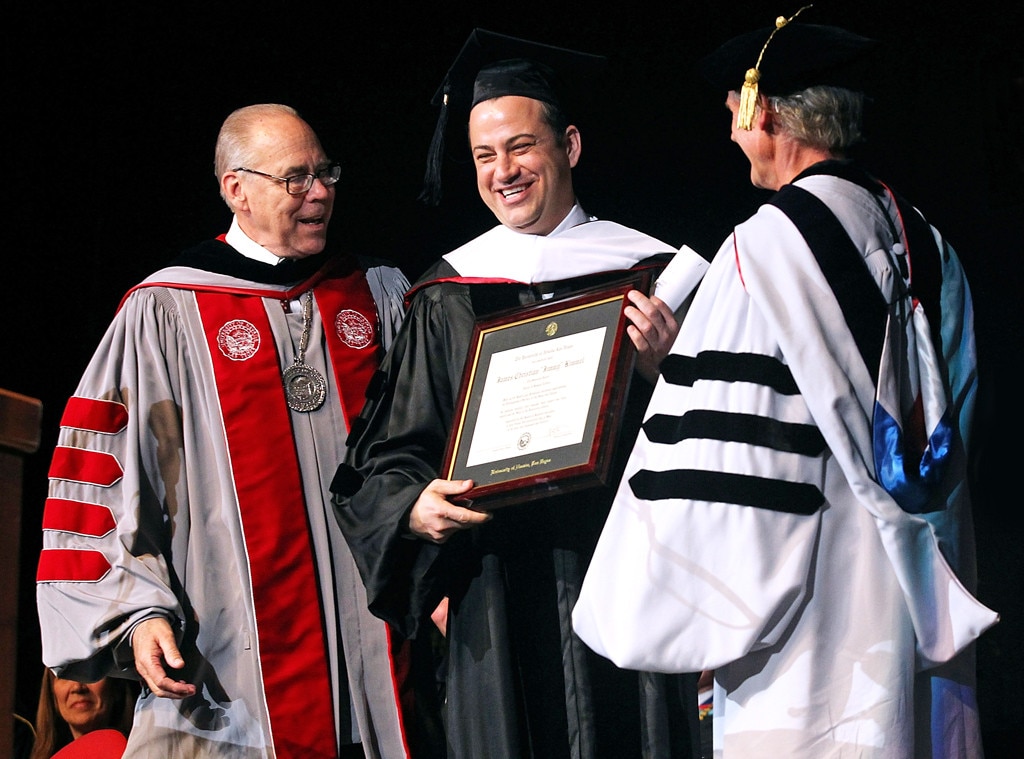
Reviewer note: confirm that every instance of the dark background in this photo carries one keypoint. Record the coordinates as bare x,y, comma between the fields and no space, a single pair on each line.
114,110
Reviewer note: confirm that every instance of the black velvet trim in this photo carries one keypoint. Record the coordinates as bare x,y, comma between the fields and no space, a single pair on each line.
346,482
721,487
925,265
375,387
925,259
218,257
803,439
864,309
723,366
359,425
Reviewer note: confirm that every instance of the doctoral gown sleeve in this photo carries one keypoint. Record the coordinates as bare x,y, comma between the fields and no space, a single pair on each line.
397,449
839,393
116,487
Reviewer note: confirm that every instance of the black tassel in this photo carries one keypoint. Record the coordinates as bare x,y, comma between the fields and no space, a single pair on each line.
431,194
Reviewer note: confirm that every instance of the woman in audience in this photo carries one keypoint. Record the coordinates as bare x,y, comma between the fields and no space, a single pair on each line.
68,710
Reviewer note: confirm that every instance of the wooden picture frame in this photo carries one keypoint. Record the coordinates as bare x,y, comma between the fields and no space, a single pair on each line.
542,396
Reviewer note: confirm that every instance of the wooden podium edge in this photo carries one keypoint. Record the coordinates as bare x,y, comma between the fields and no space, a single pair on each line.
20,431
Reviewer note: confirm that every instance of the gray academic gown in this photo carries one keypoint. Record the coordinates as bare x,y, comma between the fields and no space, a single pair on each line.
182,486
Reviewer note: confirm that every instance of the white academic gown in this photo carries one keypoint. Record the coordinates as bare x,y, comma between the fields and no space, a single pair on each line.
757,543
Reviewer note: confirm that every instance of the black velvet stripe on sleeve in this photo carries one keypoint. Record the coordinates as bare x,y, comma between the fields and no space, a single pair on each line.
729,367
723,487
346,481
802,439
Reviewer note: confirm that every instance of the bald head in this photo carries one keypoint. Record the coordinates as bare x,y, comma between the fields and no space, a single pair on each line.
245,133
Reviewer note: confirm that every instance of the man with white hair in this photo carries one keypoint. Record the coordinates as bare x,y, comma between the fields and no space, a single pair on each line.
795,513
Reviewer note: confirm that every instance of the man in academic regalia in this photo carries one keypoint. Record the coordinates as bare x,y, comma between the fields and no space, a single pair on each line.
795,513
502,584
188,536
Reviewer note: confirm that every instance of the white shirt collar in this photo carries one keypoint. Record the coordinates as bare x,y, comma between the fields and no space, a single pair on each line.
248,247
575,217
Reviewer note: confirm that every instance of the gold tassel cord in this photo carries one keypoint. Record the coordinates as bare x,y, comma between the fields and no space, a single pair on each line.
748,100
749,92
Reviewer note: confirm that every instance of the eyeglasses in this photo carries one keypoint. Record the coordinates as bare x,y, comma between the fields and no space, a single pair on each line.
298,184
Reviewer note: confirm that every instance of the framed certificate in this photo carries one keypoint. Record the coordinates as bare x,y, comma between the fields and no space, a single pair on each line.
542,397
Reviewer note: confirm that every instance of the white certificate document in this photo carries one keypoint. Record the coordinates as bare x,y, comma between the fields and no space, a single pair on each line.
536,397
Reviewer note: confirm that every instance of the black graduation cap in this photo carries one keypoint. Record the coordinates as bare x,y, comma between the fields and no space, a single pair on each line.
787,58
492,65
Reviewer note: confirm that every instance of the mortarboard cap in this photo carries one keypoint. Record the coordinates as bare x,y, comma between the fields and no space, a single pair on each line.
784,59
492,65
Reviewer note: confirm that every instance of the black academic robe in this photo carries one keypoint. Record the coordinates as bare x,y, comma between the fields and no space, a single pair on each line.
517,682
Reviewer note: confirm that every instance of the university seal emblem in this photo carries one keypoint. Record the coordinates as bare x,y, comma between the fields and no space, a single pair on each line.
238,340
353,329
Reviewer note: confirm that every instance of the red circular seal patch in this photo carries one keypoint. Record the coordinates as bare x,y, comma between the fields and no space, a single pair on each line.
353,329
238,340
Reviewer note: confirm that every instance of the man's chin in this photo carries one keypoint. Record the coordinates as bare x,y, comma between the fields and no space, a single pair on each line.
527,224
311,248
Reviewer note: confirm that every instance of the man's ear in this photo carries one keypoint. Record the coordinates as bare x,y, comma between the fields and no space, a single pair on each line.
765,117
573,145
234,192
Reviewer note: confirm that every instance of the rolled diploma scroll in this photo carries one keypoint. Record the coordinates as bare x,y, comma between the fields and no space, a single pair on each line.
680,278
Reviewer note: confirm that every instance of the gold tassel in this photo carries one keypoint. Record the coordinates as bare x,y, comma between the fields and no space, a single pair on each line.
748,100
748,95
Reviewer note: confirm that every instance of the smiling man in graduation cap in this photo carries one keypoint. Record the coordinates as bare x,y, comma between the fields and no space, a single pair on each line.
502,584
795,514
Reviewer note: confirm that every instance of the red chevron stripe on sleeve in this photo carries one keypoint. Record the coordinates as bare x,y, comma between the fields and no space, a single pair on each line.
67,565
94,415
89,467
79,517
